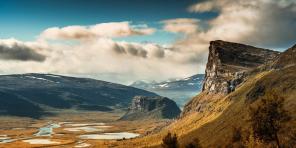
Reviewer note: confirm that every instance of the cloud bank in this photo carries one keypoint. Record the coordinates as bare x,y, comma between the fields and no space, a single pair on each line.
98,54
268,23
110,30
13,50
263,23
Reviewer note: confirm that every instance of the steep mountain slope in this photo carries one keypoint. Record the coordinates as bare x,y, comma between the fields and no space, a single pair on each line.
143,107
212,115
229,64
32,94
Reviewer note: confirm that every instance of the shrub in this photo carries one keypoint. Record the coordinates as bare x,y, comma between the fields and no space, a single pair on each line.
170,141
268,118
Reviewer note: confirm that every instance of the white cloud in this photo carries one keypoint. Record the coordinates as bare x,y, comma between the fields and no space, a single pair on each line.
110,30
181,25
266,23
106,59
205,6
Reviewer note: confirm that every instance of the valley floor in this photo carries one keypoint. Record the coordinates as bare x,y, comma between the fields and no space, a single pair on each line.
73,129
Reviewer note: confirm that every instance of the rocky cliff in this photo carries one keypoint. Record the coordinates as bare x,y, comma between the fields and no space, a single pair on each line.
229,65
143,107
210,116
229,62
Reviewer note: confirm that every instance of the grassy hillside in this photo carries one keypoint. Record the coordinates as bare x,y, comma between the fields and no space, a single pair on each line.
219,130
214,122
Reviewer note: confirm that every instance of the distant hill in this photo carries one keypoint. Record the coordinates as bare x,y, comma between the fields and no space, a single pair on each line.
143,107
34,95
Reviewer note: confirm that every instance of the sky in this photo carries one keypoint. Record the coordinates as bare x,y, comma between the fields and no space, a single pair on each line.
127,40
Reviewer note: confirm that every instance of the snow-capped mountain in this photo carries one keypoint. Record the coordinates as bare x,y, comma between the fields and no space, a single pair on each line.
179,90
193,83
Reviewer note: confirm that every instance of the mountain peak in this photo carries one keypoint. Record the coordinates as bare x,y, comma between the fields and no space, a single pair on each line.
227,63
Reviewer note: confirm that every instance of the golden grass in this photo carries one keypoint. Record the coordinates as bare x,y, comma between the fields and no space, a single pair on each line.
212,124
213,127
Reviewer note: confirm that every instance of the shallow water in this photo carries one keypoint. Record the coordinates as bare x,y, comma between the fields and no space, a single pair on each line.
47,130
86,124
7,140
85,129
41,141
4,138
109,136
82,145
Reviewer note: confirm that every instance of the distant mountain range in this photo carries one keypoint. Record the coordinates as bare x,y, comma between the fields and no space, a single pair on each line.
34,95
192,83
179,90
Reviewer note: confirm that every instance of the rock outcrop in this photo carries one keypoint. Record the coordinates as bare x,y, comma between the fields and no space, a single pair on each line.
228,64
143,107
211,116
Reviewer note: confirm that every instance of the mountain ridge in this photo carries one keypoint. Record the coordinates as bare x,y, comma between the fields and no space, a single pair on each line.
189,83
62,92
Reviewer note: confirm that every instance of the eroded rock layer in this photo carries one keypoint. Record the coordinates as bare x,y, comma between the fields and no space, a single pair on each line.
229,62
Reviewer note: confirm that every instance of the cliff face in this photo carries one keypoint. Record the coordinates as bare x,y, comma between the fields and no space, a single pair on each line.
143,107
228,64
214,114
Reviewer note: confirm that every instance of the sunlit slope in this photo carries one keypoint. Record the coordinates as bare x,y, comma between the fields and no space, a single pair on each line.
213,125
211,117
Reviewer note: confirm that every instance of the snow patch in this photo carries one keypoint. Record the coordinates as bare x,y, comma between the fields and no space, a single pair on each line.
53,76
32,77
186,79
163,85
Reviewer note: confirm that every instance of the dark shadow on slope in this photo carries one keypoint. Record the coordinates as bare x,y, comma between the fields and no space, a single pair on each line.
15,106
